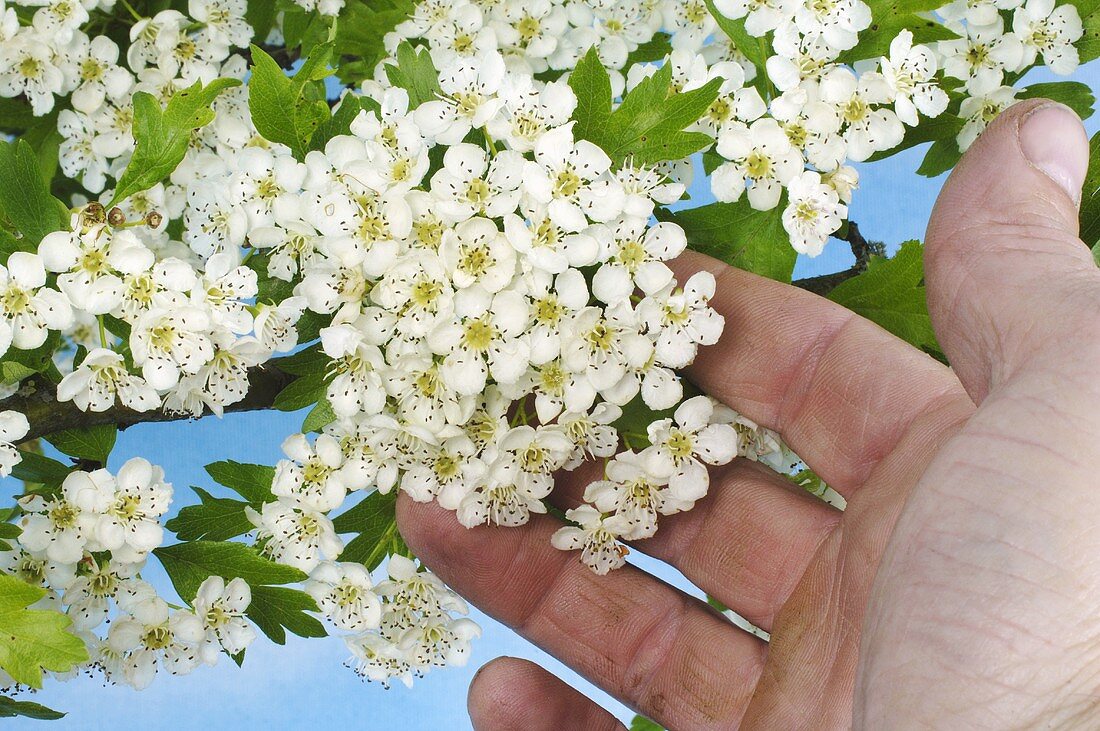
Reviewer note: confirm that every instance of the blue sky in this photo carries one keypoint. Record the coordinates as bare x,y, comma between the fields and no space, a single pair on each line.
304,685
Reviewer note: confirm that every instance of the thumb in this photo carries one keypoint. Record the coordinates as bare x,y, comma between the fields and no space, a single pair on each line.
1009,282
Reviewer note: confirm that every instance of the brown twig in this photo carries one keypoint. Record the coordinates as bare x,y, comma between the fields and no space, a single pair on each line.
38,402
862,249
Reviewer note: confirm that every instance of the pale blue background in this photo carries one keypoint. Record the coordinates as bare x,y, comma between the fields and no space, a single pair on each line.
303,685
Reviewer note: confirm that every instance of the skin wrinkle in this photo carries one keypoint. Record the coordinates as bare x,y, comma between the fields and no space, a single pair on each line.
523,623
638,675
696,558
789,407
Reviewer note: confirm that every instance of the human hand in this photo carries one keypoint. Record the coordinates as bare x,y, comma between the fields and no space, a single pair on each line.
960,586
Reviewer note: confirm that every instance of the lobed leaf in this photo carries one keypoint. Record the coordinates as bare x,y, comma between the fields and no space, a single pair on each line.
891,293
338,124
280,108
25,200
214,519
33,640
319,417
739,235
10,708
360,33
1090,200
375,520
591,84
250,481
37,468
189,564
94,442
1073,94
276,609
649,125
415,73
942,155
161,136
301,392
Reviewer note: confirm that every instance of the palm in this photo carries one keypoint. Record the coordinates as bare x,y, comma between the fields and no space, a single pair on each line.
963,581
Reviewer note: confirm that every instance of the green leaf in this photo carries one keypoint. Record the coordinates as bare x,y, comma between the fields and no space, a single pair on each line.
1090,199
261,16
360,34
310,325
281,110
641,723
943,155
648,127
268,288
591,84
372,514
655,49
1088,47
306,362
738,234
16,114
250,481
755,49
10,708
189,564
891,17
276,609
45,140
303,29
633,424
215,519
37,468
38,360
1073,94
301,392
375,520
891,294
319,417
14,372
94,443
339,124
162,135
25,200
415,73
33,640
944,127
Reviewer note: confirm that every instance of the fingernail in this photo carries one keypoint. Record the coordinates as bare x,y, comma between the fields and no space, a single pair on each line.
1054,140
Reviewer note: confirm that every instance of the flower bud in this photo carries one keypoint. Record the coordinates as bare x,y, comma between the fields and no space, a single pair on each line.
94,214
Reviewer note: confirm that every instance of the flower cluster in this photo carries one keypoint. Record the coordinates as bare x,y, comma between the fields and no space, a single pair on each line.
400,628
472,294
169,51
454,298
87,544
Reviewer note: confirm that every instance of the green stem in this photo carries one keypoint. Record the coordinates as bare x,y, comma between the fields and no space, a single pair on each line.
130,8
768,88
489,141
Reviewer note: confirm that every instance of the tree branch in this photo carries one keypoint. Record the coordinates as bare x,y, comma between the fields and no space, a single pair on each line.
862,249
38,401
